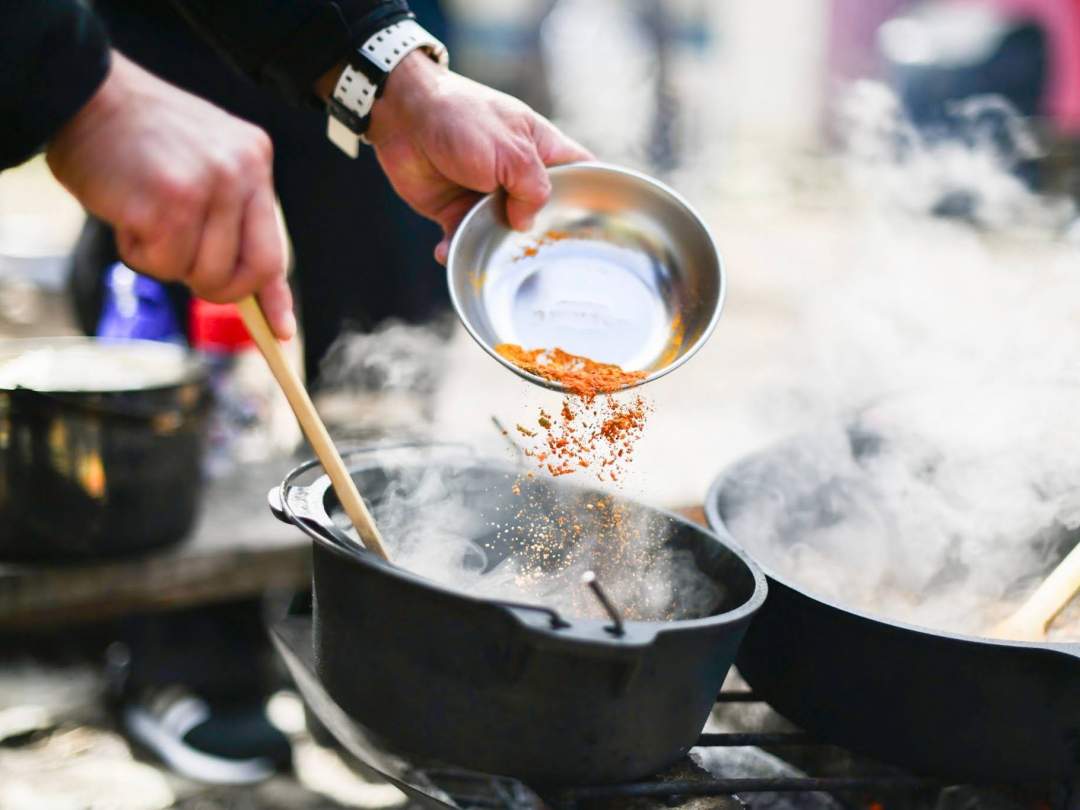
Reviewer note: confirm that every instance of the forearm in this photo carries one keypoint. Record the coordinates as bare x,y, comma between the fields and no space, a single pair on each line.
53,57
289,44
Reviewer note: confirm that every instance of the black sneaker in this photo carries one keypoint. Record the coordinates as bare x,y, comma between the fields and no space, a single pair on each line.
230,744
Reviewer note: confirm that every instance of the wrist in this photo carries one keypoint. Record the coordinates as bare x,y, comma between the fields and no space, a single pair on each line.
105,101
387,82
408,90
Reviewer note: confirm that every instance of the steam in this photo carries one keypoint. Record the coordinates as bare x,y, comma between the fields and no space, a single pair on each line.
947,368
512,536
521,538
383,382
966,168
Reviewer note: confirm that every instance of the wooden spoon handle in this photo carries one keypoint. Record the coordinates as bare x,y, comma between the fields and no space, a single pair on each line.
312,425
1031,620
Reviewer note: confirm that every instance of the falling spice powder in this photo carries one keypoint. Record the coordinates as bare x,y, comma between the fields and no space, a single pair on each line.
594,430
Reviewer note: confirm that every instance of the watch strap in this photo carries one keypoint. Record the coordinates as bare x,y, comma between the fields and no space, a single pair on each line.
362,81
386,48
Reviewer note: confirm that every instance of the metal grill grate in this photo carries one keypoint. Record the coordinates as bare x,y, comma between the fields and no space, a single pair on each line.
852,783
471,791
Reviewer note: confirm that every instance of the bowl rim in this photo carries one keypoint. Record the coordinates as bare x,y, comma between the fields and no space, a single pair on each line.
452,271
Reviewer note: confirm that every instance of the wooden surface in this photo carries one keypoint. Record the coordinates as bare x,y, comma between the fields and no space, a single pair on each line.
237,549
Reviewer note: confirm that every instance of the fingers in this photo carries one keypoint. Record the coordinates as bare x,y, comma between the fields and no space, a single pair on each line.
277,303
522,174
442,250
163,227
241,252
219,250
449,217
261,267
554,147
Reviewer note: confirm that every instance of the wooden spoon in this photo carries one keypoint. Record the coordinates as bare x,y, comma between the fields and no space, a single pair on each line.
312,425
1031,620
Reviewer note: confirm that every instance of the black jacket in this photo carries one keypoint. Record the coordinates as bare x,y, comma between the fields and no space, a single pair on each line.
55,53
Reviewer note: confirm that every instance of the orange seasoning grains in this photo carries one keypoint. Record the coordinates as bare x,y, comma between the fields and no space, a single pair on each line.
548,238
593,430
578,375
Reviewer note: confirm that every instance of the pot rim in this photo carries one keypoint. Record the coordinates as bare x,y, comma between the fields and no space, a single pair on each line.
195,368
315,497
717,524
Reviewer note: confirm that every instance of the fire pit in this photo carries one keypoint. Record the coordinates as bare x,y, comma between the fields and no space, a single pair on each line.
845,780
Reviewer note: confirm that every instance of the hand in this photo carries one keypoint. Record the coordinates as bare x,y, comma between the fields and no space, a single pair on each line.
186,186
443,140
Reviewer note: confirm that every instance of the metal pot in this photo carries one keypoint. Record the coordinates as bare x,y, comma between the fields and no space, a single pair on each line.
97,473
958,706
500,687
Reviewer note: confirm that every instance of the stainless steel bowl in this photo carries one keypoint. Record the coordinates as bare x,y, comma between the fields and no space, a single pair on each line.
618,268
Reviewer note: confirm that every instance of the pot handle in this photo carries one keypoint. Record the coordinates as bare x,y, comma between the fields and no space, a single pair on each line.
555,621
293,510
290,503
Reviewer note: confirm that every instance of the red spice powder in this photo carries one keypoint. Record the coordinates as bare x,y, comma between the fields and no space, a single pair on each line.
549,237
578,375
593,430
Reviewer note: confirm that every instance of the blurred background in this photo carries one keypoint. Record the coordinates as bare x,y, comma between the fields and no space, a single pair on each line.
892,185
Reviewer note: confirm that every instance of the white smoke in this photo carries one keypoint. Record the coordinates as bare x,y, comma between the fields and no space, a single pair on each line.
438,525
518,538
383,382
954,352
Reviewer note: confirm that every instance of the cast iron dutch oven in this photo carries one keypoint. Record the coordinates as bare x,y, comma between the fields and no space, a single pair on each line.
98,473
962,707
506,688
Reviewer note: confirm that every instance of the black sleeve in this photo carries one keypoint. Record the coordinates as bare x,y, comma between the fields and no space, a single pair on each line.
53,56
288,44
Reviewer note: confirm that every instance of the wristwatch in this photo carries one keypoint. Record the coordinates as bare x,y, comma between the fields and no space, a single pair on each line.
363,79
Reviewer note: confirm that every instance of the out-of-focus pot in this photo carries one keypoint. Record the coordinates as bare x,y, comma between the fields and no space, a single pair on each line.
95,470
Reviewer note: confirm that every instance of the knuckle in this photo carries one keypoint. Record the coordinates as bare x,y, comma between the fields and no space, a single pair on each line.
174,189
209,281
266,272
257,151
262,143
158,264
223,170
214,294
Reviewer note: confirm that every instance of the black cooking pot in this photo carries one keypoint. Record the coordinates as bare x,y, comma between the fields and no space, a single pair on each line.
500,687
87,474
962,707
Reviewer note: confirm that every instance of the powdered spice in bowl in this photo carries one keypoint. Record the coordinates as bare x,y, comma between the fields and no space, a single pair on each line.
619,282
